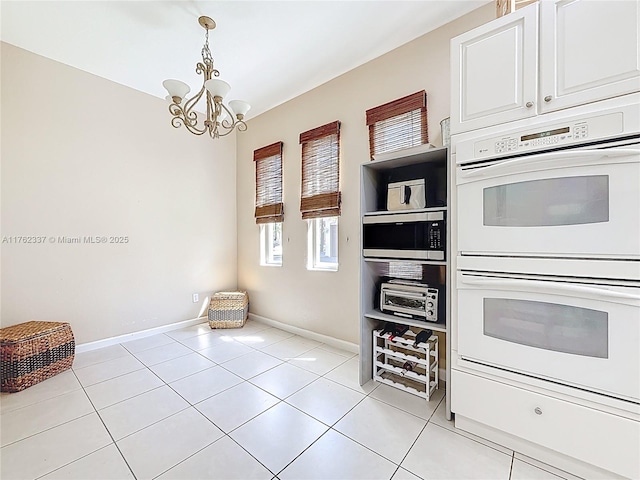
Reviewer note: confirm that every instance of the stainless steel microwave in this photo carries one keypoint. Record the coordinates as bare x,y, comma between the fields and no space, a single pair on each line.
418,235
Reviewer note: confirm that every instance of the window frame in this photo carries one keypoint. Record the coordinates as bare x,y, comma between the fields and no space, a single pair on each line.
267,257
314,246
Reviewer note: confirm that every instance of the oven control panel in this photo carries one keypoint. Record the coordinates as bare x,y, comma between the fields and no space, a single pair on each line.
578,131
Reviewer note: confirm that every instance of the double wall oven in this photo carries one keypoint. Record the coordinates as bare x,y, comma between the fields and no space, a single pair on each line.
548,228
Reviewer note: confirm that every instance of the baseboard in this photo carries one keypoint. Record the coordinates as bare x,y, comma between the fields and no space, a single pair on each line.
106,342
334,342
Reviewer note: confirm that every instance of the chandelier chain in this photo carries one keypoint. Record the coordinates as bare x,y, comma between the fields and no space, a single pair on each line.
206,53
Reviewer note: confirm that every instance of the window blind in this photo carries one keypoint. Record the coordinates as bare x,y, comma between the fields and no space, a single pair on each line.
398,124
320,196
269,206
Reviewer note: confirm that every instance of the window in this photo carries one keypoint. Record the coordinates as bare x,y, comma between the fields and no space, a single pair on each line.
323,244
398,124
271,244
320,196
269,210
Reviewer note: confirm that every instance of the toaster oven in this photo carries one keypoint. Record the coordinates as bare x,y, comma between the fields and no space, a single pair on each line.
409,300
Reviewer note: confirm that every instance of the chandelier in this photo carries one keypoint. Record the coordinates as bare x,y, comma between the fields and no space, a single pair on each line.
220,120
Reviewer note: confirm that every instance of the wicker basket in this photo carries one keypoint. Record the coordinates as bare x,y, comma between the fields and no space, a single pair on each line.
228,309
34,351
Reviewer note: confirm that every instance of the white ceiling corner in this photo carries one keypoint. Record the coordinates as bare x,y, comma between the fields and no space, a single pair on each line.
269,51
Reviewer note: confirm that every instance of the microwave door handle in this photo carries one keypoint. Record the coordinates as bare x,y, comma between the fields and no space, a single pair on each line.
550,287
558,158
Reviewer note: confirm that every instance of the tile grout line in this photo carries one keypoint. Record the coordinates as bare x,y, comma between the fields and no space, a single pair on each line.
293,406
457,432
107,430
416,440
190,405
46,429
513,454
337,431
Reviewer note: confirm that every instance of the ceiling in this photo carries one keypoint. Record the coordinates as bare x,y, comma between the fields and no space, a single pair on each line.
269,51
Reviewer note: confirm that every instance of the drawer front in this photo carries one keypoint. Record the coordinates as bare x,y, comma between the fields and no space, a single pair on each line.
598,438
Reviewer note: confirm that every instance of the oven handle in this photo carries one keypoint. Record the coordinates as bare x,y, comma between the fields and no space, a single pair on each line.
588,156
552,287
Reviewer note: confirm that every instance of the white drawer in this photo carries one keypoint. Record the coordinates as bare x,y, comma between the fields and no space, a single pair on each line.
598,438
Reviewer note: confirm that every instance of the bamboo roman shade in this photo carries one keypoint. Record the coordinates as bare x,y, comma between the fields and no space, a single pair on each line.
320,195
398,124
269,206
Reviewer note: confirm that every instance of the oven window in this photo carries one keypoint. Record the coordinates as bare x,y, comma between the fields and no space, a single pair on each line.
550,326
549,202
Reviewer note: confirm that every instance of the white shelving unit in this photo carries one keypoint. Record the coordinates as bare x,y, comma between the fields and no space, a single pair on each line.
432,164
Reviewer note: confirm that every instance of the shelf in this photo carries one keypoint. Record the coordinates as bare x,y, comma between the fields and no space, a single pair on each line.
412,260
378,315
404,212
406,342
409,358
408,156
405,384
402,372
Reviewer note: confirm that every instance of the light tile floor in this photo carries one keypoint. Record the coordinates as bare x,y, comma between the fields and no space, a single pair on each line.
250,403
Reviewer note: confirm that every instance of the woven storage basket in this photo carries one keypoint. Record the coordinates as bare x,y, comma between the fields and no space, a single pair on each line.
228,309
34,351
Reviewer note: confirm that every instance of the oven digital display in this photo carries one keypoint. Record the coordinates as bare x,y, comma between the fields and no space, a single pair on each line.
548,133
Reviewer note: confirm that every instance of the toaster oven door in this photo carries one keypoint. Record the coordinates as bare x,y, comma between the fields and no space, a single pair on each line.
404,302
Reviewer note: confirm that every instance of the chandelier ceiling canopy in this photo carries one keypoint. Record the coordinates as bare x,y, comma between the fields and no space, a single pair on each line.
220,119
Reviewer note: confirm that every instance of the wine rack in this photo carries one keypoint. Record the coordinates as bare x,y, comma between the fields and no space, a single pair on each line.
398,362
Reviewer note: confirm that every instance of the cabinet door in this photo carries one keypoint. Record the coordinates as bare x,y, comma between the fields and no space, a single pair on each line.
494,72
589,50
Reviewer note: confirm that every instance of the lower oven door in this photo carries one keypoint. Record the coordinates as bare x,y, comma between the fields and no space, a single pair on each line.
572,333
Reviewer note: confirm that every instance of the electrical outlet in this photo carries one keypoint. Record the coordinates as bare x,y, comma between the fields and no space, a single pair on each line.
195,298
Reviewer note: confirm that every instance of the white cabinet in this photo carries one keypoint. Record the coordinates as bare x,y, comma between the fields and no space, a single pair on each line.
494,69
589,50
551,55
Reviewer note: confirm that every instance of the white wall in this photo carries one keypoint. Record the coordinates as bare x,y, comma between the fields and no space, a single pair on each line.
83,156
326,302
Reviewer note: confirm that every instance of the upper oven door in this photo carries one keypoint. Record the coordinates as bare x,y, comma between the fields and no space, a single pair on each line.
572,333
569,203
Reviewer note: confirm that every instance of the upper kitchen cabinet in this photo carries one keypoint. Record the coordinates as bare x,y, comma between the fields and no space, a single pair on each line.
494,69
548,56
589,51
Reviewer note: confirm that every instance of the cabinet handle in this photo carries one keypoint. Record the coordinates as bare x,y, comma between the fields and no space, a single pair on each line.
529,104
547,98
538,410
